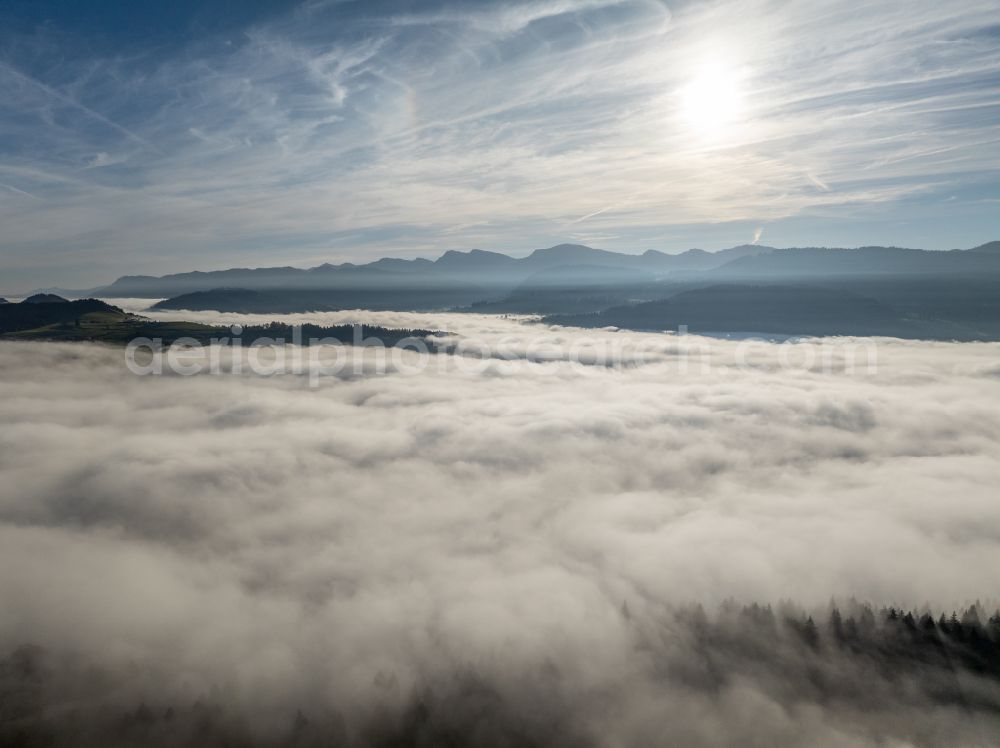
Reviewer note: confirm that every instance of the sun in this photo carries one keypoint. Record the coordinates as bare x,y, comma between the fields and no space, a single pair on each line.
713,100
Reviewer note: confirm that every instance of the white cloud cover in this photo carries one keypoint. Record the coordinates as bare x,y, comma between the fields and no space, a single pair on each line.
292,546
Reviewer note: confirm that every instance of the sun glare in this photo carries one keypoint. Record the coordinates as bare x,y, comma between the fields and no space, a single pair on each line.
713,100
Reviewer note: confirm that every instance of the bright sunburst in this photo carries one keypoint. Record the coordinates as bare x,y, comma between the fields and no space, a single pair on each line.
713,100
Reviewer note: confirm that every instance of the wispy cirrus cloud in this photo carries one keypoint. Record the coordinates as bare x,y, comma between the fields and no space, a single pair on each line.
340,131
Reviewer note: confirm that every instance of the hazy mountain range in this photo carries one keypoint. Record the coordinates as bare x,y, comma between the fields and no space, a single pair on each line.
749,288
569,264
791,309
476,267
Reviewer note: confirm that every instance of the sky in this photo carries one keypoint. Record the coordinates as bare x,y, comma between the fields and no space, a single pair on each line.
164,137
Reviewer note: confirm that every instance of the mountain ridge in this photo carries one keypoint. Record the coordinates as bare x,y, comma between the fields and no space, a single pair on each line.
489,269
784,310
453,266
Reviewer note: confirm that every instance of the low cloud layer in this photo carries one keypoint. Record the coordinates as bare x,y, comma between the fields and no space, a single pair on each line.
274,546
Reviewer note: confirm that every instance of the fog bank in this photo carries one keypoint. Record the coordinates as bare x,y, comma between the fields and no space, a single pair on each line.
378,542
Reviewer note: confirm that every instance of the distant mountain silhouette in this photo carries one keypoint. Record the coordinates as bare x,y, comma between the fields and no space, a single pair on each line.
242,301
394,264
44,298
945,307
578,254
95,320
498,273
4,301
569,255
988,247
583,276
284,301
476,267
773,310
748,288
575,289
826,262
32,314
477,260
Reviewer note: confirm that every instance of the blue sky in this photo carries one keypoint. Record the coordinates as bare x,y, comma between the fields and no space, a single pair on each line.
158,137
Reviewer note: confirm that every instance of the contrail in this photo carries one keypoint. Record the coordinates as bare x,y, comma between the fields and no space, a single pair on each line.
591,215
12,188
70,101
